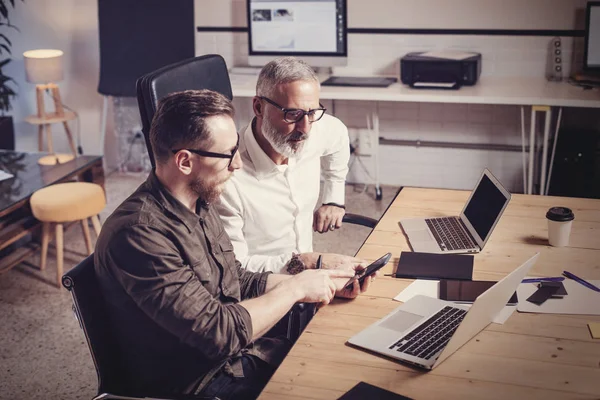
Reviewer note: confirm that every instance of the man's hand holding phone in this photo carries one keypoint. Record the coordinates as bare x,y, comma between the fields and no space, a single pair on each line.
362,279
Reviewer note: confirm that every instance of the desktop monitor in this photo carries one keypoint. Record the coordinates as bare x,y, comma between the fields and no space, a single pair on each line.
313,30
591,60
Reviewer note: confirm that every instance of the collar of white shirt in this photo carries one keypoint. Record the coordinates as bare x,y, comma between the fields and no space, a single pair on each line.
263,165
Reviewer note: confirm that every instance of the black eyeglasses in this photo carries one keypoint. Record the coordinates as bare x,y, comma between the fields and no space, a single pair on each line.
291,115
215,155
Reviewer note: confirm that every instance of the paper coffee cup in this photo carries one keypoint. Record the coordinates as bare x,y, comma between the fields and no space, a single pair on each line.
560,220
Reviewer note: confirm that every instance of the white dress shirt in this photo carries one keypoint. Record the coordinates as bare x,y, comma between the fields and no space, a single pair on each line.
267,209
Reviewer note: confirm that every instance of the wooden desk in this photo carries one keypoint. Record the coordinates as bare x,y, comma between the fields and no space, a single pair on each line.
16,221
531,356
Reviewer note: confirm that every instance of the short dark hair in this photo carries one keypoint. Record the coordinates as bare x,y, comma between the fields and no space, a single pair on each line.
180,120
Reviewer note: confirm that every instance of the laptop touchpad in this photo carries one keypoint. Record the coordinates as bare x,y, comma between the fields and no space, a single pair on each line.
401,321
421,236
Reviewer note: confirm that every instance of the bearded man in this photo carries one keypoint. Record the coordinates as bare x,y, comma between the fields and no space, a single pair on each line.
269,208
187,318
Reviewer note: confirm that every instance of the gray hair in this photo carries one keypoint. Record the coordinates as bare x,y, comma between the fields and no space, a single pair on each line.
281,71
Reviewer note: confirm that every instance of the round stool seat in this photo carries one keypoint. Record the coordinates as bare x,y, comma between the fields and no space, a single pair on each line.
65,202
52,159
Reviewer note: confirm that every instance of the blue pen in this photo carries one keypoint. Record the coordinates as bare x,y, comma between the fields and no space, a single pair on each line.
535,280
582,281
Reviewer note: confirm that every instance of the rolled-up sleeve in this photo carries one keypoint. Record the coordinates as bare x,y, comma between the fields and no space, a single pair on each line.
148,266
252,284
334,161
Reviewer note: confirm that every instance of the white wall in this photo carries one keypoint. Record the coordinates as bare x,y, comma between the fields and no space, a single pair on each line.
380,54
70,26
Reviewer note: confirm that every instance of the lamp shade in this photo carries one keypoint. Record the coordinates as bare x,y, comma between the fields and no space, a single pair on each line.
43,66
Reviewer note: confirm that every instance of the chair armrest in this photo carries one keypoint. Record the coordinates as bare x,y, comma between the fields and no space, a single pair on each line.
359,220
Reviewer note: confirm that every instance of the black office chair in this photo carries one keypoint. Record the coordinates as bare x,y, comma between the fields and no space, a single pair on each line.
204,72
90,311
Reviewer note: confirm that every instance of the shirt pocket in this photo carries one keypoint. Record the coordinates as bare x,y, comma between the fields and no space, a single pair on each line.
205,273
231,282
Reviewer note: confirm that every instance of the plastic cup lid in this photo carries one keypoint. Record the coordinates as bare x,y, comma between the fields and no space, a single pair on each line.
560,214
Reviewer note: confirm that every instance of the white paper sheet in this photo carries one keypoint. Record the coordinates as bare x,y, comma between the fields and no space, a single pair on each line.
425,287
5,175
579,299
431,288
448,54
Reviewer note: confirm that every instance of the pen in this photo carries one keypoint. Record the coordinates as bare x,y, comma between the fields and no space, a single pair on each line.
317,266
552,279
582,281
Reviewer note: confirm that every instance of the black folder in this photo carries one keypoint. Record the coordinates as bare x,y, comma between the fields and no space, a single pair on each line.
415,265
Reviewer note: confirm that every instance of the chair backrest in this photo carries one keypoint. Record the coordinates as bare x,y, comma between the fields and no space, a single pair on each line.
204,72
90,309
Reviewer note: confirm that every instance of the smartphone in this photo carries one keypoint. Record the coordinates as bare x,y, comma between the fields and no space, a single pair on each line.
370,270
467,291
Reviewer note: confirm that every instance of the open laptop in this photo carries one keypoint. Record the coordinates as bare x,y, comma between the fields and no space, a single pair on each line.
466,233
425,331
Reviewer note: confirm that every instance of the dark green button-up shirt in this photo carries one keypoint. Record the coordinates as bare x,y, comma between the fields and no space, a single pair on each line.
173,285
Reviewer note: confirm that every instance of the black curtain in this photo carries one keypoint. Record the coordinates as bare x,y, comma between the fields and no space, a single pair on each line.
137,37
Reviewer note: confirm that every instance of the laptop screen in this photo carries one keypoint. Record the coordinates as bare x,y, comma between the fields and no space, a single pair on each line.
485,206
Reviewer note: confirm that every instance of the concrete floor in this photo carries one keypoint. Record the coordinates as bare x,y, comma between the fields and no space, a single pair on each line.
43,353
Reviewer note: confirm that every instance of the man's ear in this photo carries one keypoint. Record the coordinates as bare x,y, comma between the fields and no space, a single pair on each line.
183,161
257,107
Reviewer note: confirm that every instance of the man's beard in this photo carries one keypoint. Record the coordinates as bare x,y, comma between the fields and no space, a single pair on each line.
286,145
207,192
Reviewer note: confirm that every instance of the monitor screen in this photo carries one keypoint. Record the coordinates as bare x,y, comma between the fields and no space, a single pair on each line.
485,206
309,29
592,36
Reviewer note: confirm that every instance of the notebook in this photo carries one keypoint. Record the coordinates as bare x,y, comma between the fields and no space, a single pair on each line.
434,266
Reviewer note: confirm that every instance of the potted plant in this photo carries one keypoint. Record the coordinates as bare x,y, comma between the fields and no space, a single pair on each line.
7,84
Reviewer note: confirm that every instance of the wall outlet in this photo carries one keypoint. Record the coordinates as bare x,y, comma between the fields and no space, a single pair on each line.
365,142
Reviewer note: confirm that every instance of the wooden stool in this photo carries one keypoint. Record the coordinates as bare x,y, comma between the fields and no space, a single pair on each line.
67,202
54,159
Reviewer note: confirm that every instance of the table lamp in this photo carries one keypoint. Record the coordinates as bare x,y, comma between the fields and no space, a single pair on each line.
44,67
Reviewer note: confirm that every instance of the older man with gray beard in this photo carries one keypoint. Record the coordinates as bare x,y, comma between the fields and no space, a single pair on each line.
269,208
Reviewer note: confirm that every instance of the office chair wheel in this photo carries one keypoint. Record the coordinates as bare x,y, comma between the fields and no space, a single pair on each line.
378,193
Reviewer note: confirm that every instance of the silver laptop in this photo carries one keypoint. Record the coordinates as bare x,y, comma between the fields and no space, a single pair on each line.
425,331
466,233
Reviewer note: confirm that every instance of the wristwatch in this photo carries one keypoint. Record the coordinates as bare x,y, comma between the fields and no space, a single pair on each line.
335,205
295,265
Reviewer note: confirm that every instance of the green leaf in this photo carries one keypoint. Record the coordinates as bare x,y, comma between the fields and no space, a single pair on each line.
6,39
4,79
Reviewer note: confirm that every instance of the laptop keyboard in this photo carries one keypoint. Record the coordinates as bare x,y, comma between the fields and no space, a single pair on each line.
432,335
449,233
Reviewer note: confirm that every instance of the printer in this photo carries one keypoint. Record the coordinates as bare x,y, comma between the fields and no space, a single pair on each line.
440,69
